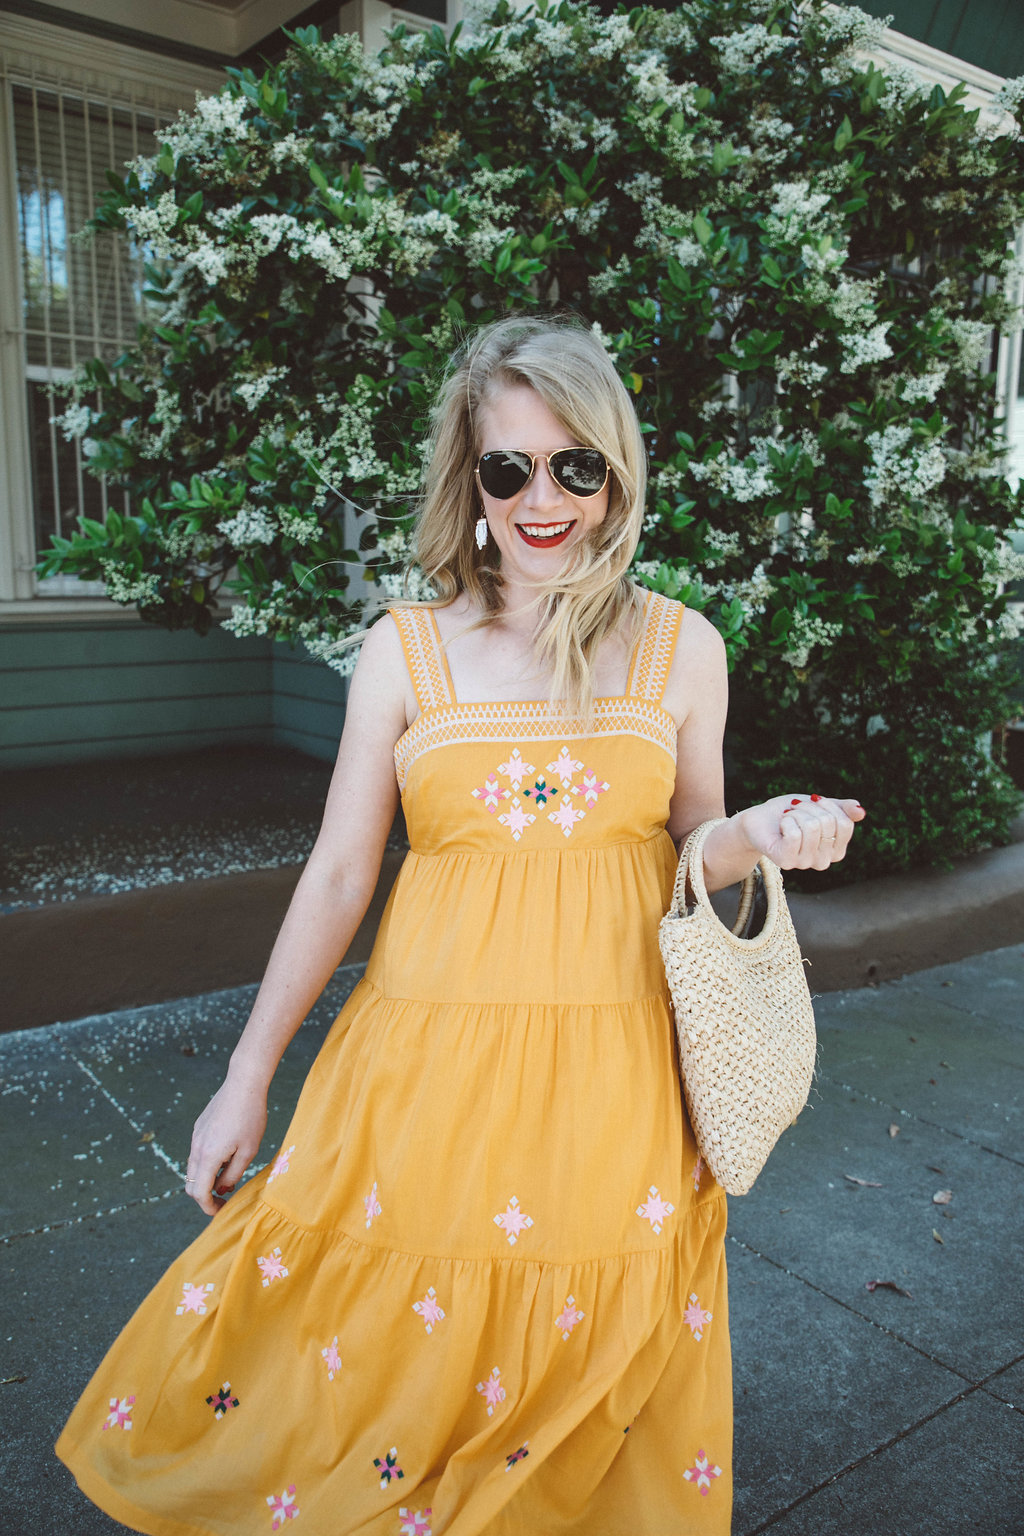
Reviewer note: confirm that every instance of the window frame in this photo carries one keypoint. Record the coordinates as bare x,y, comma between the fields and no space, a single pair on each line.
39,55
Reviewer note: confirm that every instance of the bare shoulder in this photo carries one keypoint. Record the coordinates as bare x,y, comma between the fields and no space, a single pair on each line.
699,672
380,682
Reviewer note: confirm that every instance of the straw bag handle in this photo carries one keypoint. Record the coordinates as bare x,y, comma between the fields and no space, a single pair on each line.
690,873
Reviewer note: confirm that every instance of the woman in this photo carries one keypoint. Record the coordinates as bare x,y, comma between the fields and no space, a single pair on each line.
482,1286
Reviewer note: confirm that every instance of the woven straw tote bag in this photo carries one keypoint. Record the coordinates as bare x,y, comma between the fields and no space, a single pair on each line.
743,1016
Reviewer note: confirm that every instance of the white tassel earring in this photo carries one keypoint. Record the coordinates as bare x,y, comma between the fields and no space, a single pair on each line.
481,532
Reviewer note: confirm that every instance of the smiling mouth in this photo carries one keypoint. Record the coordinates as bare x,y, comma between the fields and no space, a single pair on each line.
545,535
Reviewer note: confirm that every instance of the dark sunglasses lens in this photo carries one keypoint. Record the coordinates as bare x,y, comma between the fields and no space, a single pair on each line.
503,474
580,471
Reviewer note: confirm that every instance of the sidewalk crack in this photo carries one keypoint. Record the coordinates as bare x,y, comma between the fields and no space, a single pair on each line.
835,1082
154,1146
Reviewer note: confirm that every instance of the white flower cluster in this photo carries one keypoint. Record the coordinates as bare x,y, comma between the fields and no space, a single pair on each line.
394,546
752,593
796,212
901,467
291,147
650,84
850,27
301,526
249,527
738,479
923,386
798,368
340,655
862,348
719,545
646,569
153,225
741,52
125,588
864,557
214,120
1010,624
615,35
74,421
972,339
1010,94
257,386
807,634
410,583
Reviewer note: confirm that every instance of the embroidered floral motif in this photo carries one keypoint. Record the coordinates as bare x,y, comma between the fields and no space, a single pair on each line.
517,819
566,817
564,766
515,769
517,1456
695,1318
415,1522
281,1164
590,787
541,792
698,1171
388,1467
702,1473
655,1209
221,1401
120,1415
193,1299
429,1310
371,1205
272,1267
491,793
513,1220
492,1390
332,1358
567,1319
283,1507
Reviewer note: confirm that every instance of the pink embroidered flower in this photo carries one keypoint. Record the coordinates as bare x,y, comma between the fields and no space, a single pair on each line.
193,1299
281,1164
371,1205
388,1467
567,1319
655,1209
415,1522
702,1473
566,817
120,1415
515,769
517,818
221,1401
272,1267
698,1171
332,1358
591,787
283,1507
491,793
565,765
429,1310
492,1390
695,1318
513,1220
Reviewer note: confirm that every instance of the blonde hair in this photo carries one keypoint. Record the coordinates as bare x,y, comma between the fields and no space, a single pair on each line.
572,373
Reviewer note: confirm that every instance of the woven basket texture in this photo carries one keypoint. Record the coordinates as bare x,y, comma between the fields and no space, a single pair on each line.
744,1022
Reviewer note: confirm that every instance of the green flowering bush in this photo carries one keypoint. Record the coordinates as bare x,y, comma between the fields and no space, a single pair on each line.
797,260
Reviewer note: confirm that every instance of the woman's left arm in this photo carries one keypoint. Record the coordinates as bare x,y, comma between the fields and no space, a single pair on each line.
796,831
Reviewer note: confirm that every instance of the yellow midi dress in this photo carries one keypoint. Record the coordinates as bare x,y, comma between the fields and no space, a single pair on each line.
481,1287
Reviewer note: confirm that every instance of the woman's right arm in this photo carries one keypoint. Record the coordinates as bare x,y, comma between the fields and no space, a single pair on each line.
329,903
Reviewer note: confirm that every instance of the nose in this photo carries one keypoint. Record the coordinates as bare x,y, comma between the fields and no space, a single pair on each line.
542,491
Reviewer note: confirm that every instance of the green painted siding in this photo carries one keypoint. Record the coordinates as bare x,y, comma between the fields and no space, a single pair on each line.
71,690
78,690
988,33
309,704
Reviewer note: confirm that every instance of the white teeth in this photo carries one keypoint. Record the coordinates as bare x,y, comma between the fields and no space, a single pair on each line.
546,531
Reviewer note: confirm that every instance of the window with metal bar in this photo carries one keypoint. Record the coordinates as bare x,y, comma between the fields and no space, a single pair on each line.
80,298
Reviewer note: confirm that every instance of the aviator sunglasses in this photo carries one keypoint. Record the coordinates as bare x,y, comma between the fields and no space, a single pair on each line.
504,472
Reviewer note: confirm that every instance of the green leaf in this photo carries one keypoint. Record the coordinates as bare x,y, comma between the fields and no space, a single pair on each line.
844,136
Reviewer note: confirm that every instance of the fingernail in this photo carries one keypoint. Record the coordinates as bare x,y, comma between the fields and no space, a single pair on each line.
787,810
797,802
815,798
224,1189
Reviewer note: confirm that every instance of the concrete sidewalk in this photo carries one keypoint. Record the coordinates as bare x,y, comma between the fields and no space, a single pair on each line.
891,1411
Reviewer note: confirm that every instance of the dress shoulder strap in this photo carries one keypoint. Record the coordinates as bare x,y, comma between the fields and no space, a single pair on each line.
655,648
424,656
